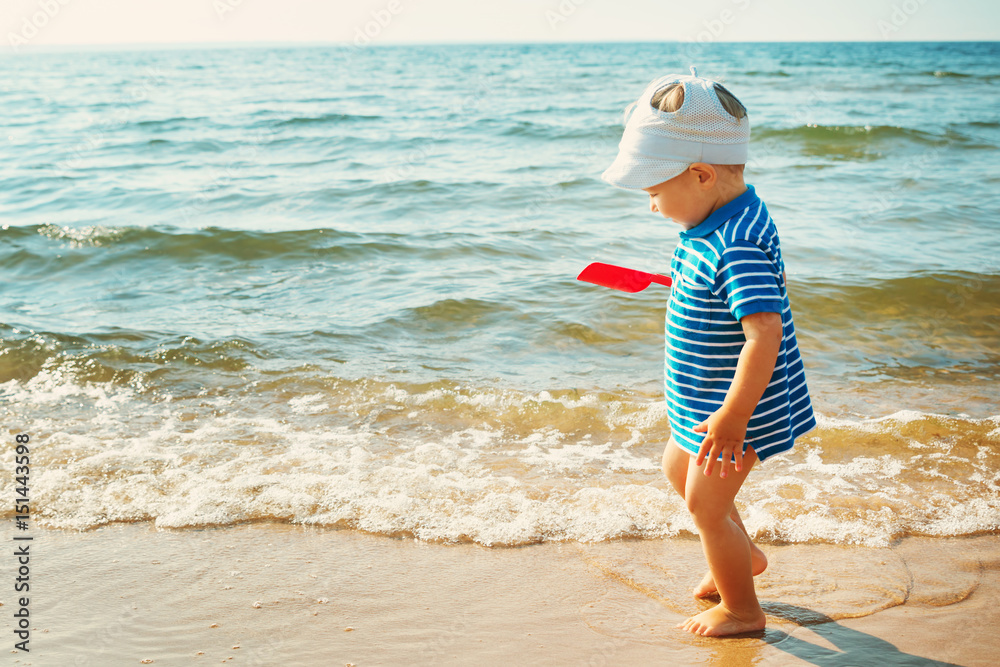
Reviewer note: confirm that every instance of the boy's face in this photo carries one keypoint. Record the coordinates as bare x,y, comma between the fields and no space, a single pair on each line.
681,199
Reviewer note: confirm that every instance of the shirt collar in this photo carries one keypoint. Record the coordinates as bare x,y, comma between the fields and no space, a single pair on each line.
722,214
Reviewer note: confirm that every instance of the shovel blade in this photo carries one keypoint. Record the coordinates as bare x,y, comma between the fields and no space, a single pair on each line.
620,278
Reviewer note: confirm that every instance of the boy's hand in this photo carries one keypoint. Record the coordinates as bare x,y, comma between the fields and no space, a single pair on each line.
725,434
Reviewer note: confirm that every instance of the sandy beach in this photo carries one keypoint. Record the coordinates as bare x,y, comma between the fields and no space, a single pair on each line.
264,594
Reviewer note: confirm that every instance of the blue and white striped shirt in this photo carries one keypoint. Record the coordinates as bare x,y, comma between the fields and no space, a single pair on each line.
723,269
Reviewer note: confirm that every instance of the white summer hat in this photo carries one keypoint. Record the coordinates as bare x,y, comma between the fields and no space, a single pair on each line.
658,145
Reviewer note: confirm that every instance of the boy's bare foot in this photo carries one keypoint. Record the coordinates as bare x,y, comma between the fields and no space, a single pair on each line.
719,621
758,563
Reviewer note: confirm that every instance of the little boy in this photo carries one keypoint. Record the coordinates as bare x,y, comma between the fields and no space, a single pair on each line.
734,382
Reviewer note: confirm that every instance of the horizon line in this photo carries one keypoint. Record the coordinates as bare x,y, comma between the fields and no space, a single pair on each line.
117,46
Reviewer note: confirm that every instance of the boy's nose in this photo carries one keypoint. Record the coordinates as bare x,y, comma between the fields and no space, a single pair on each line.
652,205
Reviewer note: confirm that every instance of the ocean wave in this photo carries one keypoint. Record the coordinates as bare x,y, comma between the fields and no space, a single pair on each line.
183,245
512,127
937,328
448,315
120,357
867,142
964,298
37,245
451,462
330,118
170,123
832,135
778,72
554,132
872,141
940,73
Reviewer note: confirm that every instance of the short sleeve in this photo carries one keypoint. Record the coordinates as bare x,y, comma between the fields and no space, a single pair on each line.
748,281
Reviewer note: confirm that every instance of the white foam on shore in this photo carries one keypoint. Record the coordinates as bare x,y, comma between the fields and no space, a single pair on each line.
392,461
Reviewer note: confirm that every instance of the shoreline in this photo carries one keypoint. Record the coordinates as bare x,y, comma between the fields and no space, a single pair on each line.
126,593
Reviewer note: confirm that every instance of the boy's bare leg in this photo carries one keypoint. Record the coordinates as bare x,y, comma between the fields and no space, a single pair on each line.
758,560
675,464
727,549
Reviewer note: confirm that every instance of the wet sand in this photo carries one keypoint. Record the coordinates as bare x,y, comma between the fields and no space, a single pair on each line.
265,594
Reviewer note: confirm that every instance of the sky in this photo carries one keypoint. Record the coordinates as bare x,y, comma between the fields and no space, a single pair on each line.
28,24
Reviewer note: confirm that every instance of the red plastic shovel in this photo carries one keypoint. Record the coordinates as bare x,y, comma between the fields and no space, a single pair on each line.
620,278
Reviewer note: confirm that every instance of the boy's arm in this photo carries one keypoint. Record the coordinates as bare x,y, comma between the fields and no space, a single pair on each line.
726,428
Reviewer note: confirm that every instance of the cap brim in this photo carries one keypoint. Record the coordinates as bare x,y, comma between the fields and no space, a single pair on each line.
632,173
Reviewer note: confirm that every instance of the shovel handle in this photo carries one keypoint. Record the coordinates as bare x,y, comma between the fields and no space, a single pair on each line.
660,279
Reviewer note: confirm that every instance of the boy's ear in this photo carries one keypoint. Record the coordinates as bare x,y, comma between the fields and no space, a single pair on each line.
705,173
